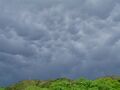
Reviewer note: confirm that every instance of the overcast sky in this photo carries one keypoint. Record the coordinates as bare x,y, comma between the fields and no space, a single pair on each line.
44,39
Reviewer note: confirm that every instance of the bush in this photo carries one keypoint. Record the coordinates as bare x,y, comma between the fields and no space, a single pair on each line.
106,83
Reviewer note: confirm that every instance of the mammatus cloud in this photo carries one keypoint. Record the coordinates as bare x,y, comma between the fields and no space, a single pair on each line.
41,39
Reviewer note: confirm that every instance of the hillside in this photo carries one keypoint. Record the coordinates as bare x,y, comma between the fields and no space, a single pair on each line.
103,83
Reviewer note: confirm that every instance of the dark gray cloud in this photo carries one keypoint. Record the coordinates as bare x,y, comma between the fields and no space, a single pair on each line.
41,39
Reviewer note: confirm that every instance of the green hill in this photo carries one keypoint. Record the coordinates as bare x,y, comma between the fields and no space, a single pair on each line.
2,88
103,83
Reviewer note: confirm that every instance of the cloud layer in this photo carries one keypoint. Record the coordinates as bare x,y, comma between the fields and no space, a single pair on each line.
41,39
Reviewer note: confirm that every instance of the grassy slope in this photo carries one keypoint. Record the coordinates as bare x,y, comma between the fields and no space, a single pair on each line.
2,88
104,83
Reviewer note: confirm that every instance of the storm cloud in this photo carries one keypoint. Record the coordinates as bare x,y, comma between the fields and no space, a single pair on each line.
44,39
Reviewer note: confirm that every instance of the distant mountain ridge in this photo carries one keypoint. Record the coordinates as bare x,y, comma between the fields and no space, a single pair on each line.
114,77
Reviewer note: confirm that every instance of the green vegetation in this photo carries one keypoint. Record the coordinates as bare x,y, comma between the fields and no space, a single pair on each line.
104,83
2,88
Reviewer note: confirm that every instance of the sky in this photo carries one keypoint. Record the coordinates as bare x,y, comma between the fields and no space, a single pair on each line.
46,39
